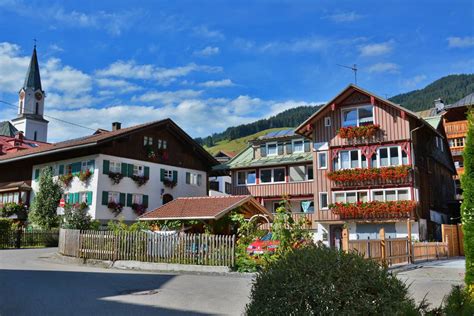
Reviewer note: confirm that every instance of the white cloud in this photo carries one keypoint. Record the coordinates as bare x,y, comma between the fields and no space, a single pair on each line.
204,31
217,83
119,85
384,68
65,79
344,17
207,51
302,45
168,97
12,67
132,70
376,49
460,42
414,81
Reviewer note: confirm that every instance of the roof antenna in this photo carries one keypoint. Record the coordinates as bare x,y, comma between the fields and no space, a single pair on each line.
353,68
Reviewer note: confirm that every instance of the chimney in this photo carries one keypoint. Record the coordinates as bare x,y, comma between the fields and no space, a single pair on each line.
116,126
19,136
439,105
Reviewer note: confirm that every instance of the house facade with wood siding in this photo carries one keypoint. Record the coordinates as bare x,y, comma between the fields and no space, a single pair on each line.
276,165
384,166
153,163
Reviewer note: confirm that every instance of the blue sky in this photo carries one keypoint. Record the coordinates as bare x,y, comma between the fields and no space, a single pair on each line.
213,64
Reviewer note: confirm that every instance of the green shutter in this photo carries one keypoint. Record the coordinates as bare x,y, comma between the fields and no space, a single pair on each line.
162,175
61,169
122,198
76,167
105,197
91,165
89,197
76,197
129,199
188,178
106,167
124,169
175,176
130,170
37,174
147,172
145,200
70,199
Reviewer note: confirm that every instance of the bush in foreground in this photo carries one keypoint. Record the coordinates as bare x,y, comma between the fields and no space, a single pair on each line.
321,281
459,302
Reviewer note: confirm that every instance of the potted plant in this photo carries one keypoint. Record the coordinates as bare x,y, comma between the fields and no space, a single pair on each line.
150,152
115,208
139,209
140,180
116,177
66,179
169,183
85,175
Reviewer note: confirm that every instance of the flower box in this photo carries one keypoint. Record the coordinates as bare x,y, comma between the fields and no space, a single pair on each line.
169,183
373,210
115,208
140,180
66,179
384,175
116,177
85,175
365,131
139,209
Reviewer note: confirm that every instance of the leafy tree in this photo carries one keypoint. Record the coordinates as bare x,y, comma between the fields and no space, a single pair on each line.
76,217
467,207
43,209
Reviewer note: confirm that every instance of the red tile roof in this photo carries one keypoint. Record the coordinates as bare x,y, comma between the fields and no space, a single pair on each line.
206,207
10,145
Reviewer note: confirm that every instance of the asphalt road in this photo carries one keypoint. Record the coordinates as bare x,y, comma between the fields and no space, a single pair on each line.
32,283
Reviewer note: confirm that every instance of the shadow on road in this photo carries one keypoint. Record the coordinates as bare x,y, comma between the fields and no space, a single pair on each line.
25,292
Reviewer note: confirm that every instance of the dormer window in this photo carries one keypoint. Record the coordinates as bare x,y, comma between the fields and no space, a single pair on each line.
358,116
272,149
298,146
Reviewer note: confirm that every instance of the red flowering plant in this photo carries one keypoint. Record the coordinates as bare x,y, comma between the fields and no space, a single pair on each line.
358,131
115,208
66,179
85,175
363,176
139,209
373,209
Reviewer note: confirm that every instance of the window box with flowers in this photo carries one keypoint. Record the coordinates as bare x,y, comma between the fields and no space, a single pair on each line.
115,207
140,180
84,176
66,179
139,209
365,131
170,183
373,176
374,210
116,177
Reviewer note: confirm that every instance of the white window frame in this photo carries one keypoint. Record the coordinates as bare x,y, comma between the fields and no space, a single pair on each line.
339,160
115,167
327,201
327,121
138,170
400,158
352,191
246,177
276,148
357,107
168,174
372,192
319,159
114,197
307,172
293,145
273,175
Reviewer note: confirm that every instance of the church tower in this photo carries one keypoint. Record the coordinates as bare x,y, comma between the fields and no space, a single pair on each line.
31,105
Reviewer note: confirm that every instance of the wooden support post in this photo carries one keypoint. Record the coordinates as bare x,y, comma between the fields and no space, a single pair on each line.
345,239
410,252
383,250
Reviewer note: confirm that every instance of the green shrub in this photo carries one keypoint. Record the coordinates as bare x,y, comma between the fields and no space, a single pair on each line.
458,302
316,280
6,224
76,217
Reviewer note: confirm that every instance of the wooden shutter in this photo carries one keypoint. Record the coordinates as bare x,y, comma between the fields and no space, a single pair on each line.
61,169
307,146
106,167
162,175
175,176
122,198
37,174
124,169
146,172
145,200
89,197
280,149
130,170
105,197
129,199
263,150
188,178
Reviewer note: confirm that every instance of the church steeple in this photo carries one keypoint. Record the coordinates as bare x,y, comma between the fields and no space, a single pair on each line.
33,78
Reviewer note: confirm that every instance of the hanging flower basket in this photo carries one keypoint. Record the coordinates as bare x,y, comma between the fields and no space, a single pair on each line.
85,175
139,209
115,208
140,180
150,152
373,209
116,177
66,179
365,131
169,183
80,206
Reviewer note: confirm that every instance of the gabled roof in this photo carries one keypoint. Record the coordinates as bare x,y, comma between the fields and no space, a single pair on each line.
33,79
302,129
468,100
100,138
205,208
7,129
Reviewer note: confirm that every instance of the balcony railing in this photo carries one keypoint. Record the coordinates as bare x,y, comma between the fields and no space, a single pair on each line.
375,210
275,189
456,128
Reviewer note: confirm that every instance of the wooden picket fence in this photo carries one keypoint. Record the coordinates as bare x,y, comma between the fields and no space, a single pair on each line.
201,249
430,250
23,238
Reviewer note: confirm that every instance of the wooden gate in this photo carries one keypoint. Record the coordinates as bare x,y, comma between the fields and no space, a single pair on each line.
452,234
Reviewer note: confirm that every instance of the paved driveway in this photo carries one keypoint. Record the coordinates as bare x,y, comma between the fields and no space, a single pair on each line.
32,284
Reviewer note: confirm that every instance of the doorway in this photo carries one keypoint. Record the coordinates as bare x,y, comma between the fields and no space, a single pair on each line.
335,235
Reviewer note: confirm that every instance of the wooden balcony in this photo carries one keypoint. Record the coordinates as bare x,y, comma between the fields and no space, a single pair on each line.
456,129
275,189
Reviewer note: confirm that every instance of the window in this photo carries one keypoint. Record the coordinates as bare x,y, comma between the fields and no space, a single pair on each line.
457,142
137,199
162,144
35,137
139,171
349,159
227,187
323,160
193,178
327,121
272,175
298,146
214,185
309,172
115,167
297,173
272,149
307,206
12,197
389,156
323,200
359,116
351,197
114,197
391,195
84,197
168,174
246,177
147,141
